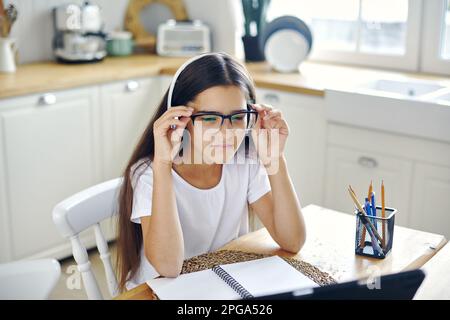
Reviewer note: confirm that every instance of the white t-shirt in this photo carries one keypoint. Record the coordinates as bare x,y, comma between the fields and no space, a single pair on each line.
209,217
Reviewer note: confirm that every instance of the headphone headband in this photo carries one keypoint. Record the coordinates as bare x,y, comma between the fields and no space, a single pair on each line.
177,74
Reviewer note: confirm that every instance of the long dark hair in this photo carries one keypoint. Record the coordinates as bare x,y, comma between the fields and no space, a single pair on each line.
217,69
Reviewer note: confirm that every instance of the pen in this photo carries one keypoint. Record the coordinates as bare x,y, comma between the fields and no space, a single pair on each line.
375,246
368,209
374,209
383,212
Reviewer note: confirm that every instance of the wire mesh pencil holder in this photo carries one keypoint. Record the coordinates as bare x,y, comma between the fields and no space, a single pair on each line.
366,242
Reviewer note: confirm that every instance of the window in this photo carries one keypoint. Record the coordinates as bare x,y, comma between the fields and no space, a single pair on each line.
351,25
436,37
381,33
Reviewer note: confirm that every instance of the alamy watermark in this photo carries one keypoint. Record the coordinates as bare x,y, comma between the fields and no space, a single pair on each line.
207,147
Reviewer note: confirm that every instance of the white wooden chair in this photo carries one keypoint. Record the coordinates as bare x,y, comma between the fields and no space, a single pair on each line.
28,279
84,210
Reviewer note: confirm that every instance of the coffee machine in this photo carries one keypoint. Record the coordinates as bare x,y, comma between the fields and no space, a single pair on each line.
78,33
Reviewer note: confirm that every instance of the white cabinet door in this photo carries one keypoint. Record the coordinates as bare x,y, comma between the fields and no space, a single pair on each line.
305,149
165,81
347,166
50,147
430,203
127,109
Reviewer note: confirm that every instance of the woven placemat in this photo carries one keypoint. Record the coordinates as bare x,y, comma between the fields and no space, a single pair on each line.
211,259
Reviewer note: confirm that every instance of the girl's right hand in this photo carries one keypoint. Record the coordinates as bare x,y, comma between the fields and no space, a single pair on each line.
167,140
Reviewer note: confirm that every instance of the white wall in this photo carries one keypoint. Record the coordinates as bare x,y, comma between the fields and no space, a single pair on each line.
34,30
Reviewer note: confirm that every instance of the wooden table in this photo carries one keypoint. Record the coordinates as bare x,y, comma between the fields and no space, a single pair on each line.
437,281
330,247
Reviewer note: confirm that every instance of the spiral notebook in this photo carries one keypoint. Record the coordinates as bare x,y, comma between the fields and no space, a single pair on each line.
240,280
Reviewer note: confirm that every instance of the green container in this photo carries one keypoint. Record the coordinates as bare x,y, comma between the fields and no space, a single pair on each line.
120,44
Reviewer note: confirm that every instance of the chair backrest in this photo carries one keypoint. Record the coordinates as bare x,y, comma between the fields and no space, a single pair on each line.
28,279
82,211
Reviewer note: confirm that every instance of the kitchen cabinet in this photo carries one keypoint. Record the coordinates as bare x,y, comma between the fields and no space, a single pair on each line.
416,173
54,145
430,202
50,150
358,167
127,108
165,81
305,148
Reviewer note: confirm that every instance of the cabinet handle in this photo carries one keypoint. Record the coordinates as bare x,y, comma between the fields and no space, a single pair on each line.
132,86
271,98
368,162
47,99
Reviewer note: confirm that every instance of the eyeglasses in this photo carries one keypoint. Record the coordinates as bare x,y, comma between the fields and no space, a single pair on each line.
241,119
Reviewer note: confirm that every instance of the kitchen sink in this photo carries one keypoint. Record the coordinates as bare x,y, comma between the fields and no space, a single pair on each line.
412,108
401,88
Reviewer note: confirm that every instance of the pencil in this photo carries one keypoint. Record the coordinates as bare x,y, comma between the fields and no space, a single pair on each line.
363,237
383,210
364,213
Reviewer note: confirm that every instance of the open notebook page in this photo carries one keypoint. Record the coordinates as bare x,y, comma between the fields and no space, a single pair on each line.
268,276
259,277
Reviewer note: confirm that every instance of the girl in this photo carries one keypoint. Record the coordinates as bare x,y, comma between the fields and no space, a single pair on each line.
173,206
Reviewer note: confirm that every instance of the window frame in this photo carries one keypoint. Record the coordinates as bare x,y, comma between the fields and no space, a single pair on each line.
431,60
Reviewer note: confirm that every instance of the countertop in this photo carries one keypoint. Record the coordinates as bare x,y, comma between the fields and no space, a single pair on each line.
312,79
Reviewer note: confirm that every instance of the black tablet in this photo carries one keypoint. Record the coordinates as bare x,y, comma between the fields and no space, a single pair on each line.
398,286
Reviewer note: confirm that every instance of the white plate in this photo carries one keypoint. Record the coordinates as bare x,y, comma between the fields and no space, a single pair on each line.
285,50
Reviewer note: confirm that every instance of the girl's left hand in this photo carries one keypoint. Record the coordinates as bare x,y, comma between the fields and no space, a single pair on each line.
270,118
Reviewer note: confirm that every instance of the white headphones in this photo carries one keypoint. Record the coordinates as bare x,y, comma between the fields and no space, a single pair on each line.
177,74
